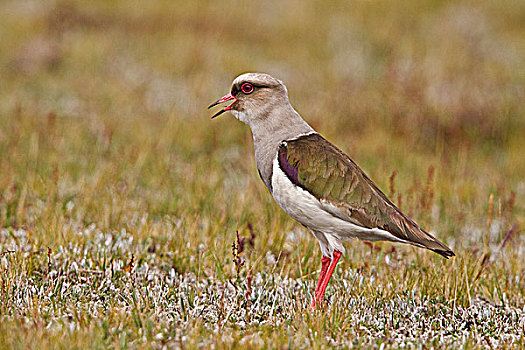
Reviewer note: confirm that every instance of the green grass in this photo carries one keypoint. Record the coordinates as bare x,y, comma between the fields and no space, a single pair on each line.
120,199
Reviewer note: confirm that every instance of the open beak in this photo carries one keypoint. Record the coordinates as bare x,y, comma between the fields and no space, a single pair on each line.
224,99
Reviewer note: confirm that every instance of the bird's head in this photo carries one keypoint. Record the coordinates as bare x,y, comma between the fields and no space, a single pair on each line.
254,95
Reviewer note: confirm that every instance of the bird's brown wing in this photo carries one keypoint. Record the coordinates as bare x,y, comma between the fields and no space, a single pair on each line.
319,167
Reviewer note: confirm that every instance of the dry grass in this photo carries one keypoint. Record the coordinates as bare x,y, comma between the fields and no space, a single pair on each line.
120,200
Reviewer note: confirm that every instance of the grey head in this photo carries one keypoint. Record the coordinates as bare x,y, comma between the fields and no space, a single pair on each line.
255,95
261,101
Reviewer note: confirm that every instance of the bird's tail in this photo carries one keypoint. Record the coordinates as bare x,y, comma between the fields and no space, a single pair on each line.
436,246
415,235
409,232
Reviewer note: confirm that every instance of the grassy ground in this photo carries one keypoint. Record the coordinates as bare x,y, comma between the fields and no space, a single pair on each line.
120,200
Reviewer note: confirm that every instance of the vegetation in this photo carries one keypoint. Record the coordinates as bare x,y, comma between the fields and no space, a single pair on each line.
129,219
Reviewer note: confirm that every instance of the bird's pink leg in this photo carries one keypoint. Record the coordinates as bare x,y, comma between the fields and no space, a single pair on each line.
325,262
319,294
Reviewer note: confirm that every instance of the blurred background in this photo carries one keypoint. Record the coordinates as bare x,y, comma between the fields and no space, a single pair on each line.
103,115
127,216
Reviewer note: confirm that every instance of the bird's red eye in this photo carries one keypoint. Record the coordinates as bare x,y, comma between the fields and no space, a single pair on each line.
247,88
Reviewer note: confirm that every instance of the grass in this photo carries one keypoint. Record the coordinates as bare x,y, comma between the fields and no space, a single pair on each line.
128,219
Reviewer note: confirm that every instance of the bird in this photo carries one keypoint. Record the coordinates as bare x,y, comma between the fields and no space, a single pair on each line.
313,181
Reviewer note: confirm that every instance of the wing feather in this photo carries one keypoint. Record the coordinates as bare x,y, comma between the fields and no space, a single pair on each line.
319,167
